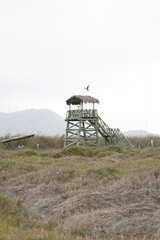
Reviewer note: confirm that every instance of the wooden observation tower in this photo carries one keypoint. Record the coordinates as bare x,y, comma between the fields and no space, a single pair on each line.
84,126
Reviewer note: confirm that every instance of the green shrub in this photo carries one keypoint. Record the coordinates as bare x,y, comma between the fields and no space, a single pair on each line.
51,154
28,153
7,206
109,150
77,151
55,142
106,171
58,155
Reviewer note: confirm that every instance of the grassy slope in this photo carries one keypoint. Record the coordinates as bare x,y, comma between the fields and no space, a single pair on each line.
105,169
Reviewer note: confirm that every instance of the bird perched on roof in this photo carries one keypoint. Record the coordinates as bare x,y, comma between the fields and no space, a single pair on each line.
87,88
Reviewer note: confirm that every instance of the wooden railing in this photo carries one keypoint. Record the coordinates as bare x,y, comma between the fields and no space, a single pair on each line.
81,113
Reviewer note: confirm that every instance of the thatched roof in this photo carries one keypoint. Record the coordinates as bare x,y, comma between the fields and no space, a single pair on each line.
78,99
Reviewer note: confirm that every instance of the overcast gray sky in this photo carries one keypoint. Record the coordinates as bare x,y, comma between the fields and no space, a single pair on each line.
51,49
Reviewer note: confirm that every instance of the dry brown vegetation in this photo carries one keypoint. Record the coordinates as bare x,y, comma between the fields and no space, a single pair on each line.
80,194
52,143
145,142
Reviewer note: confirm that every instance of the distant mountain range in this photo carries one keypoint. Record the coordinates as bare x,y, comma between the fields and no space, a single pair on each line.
33,121
138,133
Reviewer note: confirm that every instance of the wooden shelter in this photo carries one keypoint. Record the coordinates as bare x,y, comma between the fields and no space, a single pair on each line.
16,142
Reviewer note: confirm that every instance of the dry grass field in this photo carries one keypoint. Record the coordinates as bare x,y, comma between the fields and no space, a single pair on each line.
78,193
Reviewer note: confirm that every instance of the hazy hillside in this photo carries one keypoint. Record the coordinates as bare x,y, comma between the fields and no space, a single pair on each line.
41,122
37,121
138,133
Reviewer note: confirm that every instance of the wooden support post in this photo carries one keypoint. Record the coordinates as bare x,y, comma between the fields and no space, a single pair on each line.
82,128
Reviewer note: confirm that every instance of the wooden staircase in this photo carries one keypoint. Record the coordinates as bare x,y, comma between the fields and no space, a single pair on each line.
113,135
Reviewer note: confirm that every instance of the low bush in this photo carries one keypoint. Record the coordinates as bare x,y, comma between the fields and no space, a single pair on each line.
57,155
27,152
55,142
77,151
109,150
7,207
